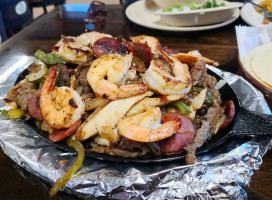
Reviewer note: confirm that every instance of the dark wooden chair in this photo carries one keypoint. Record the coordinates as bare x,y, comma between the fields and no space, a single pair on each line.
16,14
44,3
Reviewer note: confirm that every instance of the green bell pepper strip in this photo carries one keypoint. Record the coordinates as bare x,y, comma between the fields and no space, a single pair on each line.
50,59
182,107
67,176
16,113
5,113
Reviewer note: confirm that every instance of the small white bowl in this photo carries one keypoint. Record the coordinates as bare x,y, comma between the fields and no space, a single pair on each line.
164,4
199,17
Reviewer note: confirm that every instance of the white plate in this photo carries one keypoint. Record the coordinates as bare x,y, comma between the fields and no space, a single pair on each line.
262,54
259,59
251,16
200,17
143,13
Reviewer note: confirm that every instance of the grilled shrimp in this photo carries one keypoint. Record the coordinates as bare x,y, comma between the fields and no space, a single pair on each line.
71,51
146,127
89,38
192,57
114,67
61,107
159,77
152,42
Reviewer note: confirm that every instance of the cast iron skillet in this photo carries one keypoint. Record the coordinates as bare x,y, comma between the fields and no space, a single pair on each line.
245,124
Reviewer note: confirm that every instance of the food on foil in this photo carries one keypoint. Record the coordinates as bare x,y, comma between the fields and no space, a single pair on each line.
124,98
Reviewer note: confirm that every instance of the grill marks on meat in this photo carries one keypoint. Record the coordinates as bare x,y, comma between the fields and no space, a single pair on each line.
207,81
204,123
216,97
81,79
203,133
125,148
24,94
21,94
208,122
71,40
197,71
118,152
81,76
200,77
130,145
64,75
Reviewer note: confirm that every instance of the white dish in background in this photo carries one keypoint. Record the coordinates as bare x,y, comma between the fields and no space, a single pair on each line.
200,17
143,13
251,16
164,4
257,67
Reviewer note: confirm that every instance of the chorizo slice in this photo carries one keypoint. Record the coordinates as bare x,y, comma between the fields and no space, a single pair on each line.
185,135
34,106
141,51
107,45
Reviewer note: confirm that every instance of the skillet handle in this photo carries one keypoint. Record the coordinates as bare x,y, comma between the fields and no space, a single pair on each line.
249,123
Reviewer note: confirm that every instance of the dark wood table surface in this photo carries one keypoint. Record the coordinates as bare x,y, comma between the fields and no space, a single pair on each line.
219,44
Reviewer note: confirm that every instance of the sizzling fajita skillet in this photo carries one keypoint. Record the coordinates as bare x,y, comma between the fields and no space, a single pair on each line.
245,124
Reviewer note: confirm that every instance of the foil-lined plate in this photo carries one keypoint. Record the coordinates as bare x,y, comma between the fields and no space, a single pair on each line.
220,174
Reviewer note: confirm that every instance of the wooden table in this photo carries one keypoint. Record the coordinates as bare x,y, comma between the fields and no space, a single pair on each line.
219,45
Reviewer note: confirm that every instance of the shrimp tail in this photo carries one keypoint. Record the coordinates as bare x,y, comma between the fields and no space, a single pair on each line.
50,81
142,134
132,89
114,92
165,131
192,59
165,55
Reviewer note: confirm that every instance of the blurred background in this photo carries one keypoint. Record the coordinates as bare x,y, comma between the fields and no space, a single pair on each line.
38,11
17,14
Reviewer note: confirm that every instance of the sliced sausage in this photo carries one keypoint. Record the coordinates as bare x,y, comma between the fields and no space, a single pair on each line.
34,106
184,136
107,45
230,112
169,51
141,51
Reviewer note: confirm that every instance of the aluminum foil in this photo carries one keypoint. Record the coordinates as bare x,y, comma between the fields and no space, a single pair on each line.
221,174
